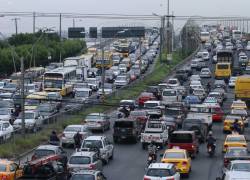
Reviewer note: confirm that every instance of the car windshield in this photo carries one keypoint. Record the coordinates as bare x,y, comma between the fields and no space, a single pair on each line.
172,82
241,167
2,168
235,139
92,143
158,172
83,177
44,108
4,112
43,152
154,125
123,124
31,102
94,117
169,93
181,138
52,96
237,152
150,105
138,113
82,94
71,128
121,78
172,111
239,112
28,115
174,155
79,160
10,86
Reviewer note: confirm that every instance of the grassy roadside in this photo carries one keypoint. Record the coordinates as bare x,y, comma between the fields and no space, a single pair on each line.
20,145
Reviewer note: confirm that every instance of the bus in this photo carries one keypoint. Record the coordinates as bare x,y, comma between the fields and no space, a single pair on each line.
58,80
205,36
124,47
236,35
107,61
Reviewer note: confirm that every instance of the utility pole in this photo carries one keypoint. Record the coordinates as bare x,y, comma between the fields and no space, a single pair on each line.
22,97
168,39
172,32
161,37
103,73
60,34
74,24
247,25
34,22
15,23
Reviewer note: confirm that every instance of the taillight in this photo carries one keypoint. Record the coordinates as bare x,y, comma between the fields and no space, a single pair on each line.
244,145
33,157
4,177
145,178
225,146
91,166
184,163
100,122
225,123
170,179
226,161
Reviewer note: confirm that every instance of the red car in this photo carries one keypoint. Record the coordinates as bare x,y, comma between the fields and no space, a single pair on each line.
145,96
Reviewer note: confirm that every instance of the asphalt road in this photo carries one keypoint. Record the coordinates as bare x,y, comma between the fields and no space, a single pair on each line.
130,160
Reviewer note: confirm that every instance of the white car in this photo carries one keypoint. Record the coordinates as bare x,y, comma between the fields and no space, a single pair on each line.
158,171
6,130
205,56
195,77
70,131
194,63
232,80
121,80
6,115
2,84
205,73
173,82
33,121
237,165
248,47
82,94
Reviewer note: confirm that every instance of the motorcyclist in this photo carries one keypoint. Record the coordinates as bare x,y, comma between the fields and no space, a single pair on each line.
236,126
152,150
211,141
208,86
125,111
53,139
77,140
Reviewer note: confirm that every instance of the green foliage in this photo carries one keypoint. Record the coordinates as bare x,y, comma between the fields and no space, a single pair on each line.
42,46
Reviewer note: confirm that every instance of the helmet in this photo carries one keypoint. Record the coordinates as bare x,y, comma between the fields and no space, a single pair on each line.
210,133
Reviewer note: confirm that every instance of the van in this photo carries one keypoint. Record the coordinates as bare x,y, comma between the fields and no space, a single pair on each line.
184,140
223,71
171,95
242,87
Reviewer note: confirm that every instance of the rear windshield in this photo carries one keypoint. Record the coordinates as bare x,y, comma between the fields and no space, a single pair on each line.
181,138
158,172
154,125
123,124
83,177
43,152
2,167
79,160
222,66
169,93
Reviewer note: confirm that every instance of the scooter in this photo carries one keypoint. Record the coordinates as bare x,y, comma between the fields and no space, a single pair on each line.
151,158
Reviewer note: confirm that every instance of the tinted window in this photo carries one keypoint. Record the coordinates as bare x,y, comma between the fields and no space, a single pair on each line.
123,124
79,160
158,172
2,167
92,144
83,177
174,155
181,138
43,152
241,167
169,93
222,66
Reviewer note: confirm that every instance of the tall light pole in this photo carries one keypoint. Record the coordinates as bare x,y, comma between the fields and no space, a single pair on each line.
15,23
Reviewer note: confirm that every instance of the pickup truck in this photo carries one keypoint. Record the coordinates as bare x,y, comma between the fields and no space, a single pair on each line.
156,131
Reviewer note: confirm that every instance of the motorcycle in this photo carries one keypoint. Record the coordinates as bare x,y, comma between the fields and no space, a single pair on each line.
151,158
211,150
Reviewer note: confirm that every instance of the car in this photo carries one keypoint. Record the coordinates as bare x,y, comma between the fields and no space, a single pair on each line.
88,160
93,83
131,104
205,73
173,82
56,98
88,174
46,110
102,143
201,93
97,121
170,96
6,131
228,123
232,175
69,132
2,84
242,113
107,88
239,104
48,150
177,111
153,105
214,60
126,129
217,95
6,114
195,63
10,170
180,158
195,77
145,96
211,101
82,94
235,153
33,121
122,80
181,75
192,99
10,87
162,170
6,95
219,84
234,140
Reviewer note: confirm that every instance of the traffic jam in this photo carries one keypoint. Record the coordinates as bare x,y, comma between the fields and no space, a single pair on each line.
202,105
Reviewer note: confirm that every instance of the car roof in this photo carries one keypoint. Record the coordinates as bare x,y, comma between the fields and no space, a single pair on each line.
152,102
5,161
83,153
95,138
238,175
96,114
92,172
183,132
76,125
240,161
160,166
175,149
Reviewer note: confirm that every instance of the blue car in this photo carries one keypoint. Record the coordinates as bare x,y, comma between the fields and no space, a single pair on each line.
192,100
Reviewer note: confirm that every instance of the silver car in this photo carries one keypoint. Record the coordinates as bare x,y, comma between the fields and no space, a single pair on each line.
97,121
70,131
88,160
88,174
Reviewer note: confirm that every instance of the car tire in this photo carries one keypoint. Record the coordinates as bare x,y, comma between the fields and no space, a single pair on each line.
143,146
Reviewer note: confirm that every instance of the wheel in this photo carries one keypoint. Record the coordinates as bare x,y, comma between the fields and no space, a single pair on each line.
143,146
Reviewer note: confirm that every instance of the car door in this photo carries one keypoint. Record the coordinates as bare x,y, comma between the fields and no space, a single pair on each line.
97,161
108,147
17,172
7,130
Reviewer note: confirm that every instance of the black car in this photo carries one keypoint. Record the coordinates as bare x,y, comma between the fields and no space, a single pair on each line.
181,75
126,129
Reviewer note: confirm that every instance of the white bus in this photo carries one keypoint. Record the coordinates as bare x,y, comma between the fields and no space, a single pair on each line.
236,34
205,36
58,80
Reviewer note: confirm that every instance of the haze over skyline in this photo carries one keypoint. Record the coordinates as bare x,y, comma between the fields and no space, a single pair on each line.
142,7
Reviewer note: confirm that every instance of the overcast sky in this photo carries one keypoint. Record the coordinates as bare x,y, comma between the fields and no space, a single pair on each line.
180,7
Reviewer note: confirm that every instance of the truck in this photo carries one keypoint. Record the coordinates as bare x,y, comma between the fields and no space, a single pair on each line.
155,131
242,87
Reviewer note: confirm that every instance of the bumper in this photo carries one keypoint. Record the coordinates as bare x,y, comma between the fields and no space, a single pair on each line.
67,141
183,170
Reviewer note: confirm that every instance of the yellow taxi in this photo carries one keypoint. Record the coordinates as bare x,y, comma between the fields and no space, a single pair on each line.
9,170
238,105
234,140
33,100
228,123
180,158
